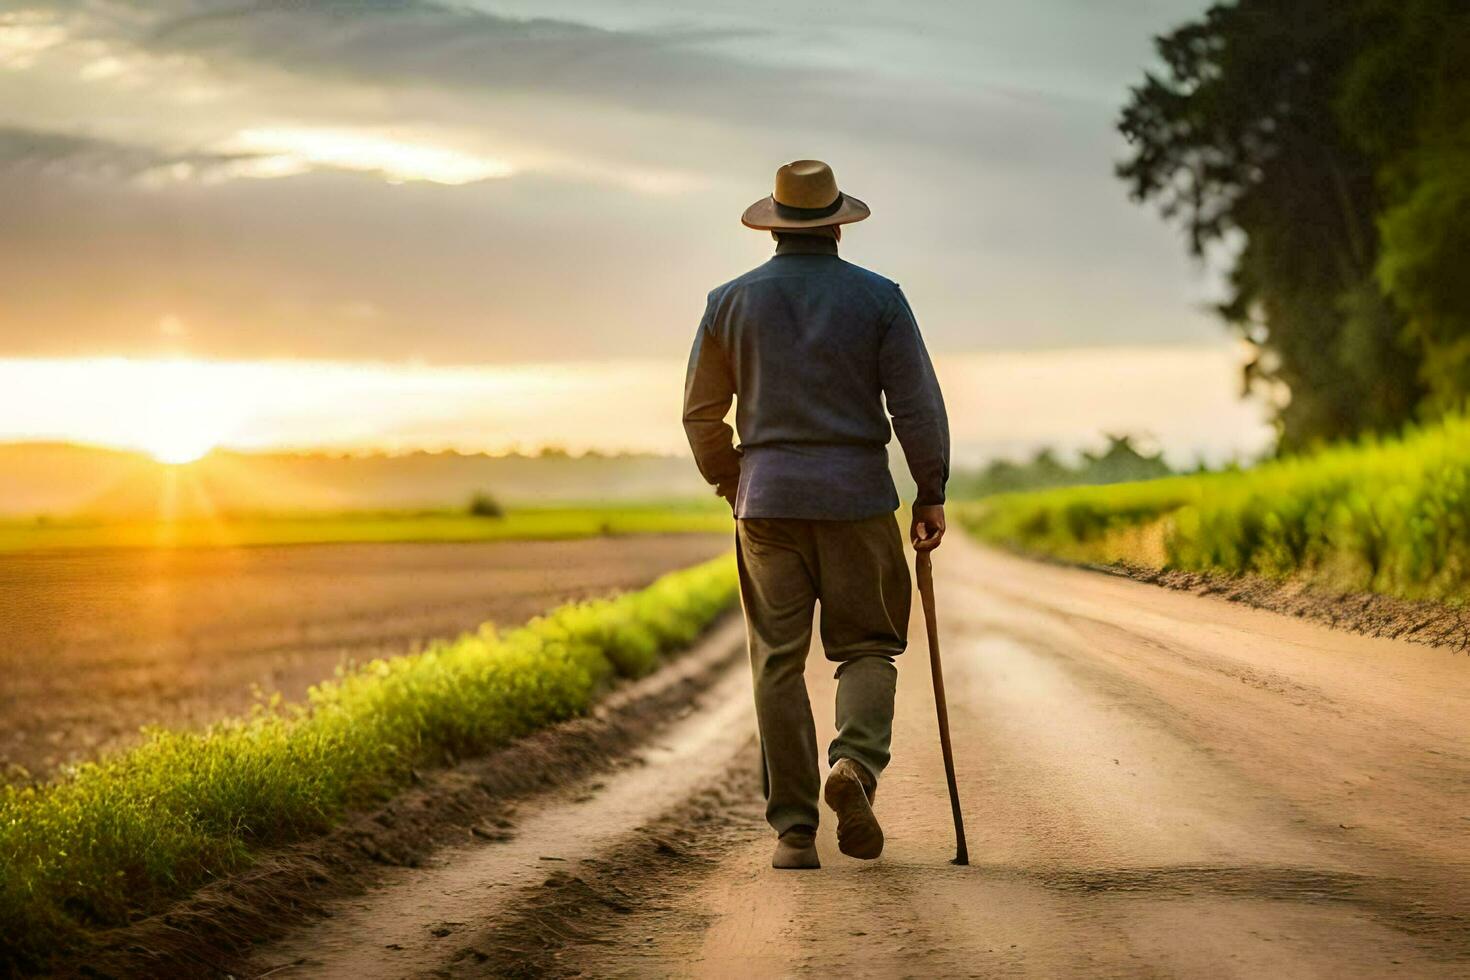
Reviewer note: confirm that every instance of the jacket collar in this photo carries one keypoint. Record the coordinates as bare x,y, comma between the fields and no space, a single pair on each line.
806,245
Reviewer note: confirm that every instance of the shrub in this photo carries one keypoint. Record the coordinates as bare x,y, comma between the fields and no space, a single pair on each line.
484,505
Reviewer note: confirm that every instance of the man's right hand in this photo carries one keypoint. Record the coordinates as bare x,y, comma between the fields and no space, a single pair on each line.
927,529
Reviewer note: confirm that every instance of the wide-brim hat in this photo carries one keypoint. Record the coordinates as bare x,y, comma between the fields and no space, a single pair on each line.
806,197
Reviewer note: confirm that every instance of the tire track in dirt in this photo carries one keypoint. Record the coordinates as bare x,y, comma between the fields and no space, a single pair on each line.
600,901
409,922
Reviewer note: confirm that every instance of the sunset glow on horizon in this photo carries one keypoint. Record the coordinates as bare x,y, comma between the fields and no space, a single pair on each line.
1006,403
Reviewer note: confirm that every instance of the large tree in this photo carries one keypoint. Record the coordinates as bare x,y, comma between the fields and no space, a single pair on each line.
1407,103
1238,139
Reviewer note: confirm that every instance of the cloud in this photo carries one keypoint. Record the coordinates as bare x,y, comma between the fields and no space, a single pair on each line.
288,151
256,153
630,148
418,43
41,152
26,34
410,50
329,264
481,59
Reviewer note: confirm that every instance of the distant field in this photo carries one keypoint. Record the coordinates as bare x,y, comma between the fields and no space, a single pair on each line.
548,524
1389,516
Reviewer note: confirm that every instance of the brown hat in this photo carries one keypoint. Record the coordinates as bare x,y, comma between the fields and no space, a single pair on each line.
806,197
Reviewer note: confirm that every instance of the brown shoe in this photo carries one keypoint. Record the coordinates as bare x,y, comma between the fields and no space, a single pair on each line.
850,790
796,850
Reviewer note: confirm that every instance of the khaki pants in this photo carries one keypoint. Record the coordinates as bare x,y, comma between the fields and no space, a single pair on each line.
858,572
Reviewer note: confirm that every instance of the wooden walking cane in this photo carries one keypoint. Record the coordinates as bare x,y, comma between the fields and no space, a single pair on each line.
924,571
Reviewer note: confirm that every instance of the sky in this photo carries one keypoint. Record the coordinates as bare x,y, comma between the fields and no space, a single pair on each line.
436,192
1001,403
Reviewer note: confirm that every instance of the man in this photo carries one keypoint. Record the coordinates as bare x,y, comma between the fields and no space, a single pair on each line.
811,346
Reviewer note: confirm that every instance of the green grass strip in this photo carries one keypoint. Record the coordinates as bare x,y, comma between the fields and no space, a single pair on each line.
1380,515
548,524
151,824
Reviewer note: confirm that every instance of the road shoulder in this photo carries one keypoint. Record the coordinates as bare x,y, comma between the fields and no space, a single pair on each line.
479,805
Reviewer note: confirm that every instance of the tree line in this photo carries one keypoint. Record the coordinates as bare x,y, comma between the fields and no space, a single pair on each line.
1321,149
1121,462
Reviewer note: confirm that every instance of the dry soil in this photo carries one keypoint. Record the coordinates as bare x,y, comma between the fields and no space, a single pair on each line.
95,644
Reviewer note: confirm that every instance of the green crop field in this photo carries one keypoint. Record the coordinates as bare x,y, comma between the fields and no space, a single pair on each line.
517,525
1389,516
137,829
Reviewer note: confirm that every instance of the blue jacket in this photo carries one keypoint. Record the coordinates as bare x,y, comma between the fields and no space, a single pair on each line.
811,346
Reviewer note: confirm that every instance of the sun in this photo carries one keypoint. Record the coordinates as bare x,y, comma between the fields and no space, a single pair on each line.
180,436
185,416
177,450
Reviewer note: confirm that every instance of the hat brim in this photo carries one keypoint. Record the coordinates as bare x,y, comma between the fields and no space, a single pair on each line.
762,216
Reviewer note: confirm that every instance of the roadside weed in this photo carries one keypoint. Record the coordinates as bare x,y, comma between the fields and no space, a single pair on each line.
1379,515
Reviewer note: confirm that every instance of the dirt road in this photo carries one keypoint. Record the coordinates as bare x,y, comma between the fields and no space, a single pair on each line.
95,644
1156,784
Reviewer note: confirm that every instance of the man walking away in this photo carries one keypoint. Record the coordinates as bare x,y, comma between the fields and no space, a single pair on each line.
811,346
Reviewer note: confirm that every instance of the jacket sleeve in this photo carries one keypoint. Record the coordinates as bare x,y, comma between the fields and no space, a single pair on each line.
709,390
911,390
